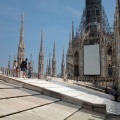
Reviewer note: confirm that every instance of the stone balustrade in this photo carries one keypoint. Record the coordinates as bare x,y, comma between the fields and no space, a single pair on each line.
10,73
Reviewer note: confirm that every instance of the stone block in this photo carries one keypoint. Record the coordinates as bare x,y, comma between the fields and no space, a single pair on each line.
112,117
100,110
89,107
72,100
24,116
84,114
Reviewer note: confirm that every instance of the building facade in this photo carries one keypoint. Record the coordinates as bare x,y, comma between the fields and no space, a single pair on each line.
94,31
117,40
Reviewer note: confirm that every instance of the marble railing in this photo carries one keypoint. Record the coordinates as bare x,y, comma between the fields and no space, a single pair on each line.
12,73
95,79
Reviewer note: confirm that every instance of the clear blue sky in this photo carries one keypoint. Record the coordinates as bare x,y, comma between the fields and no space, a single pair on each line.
53,16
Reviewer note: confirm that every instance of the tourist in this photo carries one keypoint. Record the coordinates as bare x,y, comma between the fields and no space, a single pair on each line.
15,68
24,67
29,70
115,93
21,68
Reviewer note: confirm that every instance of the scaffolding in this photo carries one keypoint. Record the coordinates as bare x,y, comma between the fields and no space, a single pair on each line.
83,23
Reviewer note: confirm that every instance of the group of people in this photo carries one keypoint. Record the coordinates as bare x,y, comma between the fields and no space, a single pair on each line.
25,69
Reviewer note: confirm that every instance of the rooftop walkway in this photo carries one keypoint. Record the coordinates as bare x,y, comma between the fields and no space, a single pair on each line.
52,100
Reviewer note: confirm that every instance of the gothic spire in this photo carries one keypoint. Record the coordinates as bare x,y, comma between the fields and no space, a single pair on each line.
33,68
63,66
8,72
69,51
41,47
93,9
21,47
76,33
22,32
69,38
54,49
101,26
117,3
41,60
63,58
49,59
9,63
31,59
93,14
54,62
72,30
47,68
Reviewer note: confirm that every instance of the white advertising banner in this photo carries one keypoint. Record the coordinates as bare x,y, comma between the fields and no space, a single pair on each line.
91,60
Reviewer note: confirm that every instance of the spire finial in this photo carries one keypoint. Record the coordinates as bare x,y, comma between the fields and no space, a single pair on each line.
22,23
54,44
22,29
22,18
42,35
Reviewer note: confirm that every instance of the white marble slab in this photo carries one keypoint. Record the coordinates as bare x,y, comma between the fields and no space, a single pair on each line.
79,93
87,97
55,111
91,115
73,93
